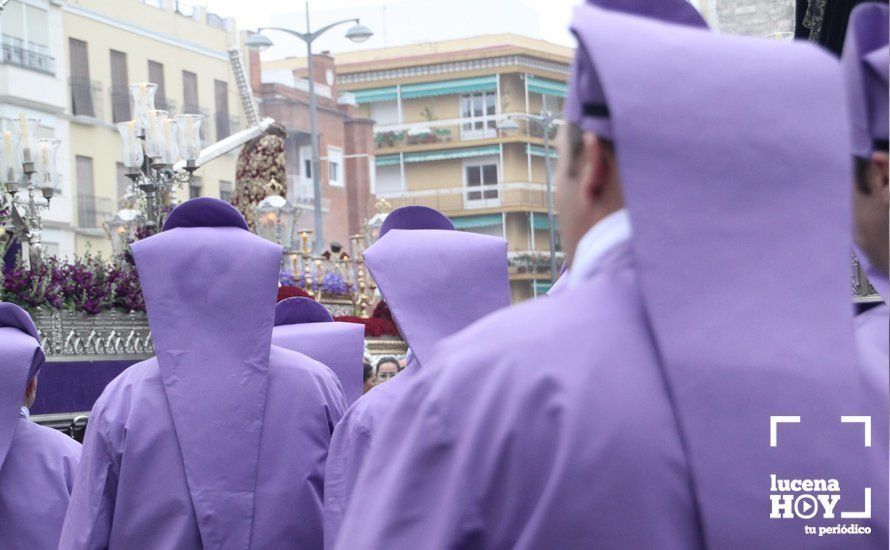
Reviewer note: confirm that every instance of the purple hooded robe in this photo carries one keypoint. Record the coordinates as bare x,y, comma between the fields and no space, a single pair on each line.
37,464
220,440
305,326
866,62
436,281
633,410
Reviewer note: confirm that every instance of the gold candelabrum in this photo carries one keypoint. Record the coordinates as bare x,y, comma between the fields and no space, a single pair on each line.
313,268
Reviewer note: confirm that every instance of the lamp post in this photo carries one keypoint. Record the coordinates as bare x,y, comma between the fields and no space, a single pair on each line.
548,121
358,33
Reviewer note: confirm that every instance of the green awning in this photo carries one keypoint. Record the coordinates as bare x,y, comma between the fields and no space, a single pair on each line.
447,154
475,222
375,94
541,287
442,154
539,221
538,151
539,85
386,160
446,87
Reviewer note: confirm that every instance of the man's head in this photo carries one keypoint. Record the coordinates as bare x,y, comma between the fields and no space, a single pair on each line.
871,208
588,183
370,378
865,63
387,368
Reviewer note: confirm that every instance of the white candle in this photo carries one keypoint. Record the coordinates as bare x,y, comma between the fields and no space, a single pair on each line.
10,155
26,151
44,161
131,130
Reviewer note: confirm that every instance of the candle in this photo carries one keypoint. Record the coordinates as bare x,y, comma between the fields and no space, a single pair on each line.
10,156
26,150
44,161
131,130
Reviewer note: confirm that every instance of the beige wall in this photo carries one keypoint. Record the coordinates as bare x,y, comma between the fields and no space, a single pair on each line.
177,42
433,175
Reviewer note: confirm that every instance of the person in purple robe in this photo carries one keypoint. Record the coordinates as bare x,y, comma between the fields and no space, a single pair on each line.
37,464
866,62
220,440
304,325
699,371
436,281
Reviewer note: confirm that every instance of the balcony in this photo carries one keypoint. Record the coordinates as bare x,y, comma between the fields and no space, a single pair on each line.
166,104
120,103
28,56
92,211
86,97
455,200
301,193
531,264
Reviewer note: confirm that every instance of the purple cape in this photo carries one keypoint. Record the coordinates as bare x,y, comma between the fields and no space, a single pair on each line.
219,441
636,411
436,281
37,464
305,326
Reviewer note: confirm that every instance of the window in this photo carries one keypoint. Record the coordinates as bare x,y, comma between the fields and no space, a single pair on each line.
221,98
225,190
156,75
387,179
26,37
195,188
306,163
477,113
82,88
335,166
481,184
190,93
120,94
86,199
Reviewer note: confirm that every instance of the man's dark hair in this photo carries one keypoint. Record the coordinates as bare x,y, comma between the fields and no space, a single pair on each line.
576,145
368,371
861,173
392,360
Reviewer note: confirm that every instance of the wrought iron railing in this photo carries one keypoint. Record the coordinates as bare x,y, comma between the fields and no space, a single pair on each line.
28,56
86,97
92,211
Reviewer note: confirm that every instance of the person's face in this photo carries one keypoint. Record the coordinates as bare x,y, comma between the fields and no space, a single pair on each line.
370,383
872,213
31,393
386,371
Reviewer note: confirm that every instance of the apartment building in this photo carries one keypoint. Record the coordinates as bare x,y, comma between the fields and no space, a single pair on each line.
438,109
33,82
105,47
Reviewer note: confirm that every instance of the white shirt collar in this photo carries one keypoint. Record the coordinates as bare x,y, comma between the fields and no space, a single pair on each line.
25,413
609,232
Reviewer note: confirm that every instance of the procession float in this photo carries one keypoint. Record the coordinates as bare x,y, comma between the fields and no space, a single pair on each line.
89,309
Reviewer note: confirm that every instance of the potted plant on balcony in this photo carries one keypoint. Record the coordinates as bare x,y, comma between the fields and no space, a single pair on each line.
443,134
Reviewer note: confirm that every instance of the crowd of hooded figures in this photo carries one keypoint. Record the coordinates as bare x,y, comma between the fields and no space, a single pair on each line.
699,351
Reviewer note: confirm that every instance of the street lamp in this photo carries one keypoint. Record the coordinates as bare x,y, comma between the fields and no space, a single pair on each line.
548,121
357,33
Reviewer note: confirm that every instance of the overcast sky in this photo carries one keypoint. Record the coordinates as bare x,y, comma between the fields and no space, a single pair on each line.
552,15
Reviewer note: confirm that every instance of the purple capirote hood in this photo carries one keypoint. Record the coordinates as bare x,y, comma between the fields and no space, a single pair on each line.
210,291
305,326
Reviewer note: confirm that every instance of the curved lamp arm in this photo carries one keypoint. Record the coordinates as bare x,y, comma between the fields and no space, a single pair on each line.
309,37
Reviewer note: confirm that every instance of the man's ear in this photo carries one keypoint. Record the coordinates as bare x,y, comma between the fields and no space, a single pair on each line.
878,177
596,168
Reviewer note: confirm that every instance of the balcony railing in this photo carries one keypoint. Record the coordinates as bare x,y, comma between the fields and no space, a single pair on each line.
455,129
28,56
300,192
86,97
457,199
120,103
166,104
92,211
533,262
